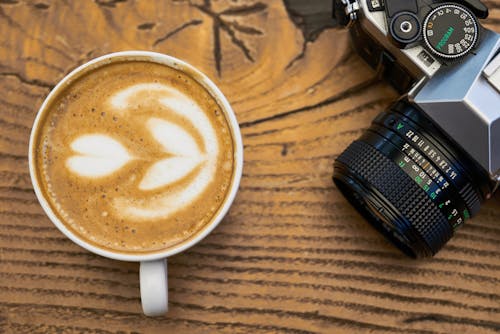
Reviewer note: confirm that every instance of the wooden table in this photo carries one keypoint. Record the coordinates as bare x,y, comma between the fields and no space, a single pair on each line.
292,256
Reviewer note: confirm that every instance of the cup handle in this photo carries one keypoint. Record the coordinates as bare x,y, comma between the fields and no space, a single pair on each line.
154,287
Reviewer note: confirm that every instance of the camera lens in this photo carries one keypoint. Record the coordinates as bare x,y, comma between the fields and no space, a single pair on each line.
410,181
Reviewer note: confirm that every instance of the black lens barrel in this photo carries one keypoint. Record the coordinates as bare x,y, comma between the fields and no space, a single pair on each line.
410,181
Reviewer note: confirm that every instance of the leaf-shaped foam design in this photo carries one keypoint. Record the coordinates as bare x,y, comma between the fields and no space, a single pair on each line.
99,155
177,142
168,171
174,139
121,100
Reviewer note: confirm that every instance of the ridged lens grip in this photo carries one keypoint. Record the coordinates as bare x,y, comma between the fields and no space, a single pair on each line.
418,216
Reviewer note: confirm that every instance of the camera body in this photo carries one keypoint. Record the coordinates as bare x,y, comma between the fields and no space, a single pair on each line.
445,128
459,93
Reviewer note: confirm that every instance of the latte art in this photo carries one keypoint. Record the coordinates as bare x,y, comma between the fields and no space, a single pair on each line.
184,155
136,157
98,155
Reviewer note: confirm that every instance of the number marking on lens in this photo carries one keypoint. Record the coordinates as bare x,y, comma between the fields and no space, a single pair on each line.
431,153
432,189
415,163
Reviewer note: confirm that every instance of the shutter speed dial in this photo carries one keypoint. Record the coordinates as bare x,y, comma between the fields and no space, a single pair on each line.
451,31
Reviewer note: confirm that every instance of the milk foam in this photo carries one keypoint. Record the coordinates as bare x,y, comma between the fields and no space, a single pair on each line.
177,142
99,155
173,138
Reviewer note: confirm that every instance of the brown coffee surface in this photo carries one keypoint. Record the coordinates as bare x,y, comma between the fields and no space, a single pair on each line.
135,157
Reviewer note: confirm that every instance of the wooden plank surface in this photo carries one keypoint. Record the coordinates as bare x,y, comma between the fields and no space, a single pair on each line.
292,256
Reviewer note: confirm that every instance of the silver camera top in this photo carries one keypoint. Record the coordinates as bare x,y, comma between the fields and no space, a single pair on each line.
455,63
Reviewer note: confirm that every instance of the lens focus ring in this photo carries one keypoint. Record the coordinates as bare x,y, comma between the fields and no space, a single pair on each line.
416,214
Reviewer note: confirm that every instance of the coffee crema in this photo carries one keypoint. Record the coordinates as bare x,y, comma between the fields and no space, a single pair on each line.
135,157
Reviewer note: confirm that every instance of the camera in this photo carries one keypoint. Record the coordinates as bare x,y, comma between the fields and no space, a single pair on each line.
425,165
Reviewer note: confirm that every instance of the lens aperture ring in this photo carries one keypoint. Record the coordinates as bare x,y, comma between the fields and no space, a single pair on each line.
448,173
472,183
438,190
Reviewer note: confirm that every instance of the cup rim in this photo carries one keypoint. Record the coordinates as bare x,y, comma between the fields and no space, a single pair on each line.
172,62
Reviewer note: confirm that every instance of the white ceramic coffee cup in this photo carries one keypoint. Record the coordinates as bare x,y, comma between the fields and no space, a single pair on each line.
153,267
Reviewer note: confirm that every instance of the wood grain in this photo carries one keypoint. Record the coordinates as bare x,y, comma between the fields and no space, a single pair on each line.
292,256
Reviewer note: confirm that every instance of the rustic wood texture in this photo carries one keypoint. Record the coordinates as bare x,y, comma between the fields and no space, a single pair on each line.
292,256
